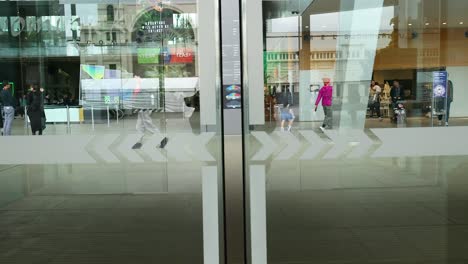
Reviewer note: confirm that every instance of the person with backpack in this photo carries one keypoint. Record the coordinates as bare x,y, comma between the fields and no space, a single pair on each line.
36,111
326,96
287,114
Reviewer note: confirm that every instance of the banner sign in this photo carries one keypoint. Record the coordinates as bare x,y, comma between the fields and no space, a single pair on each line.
148,55
439,87
171,55
156,26
232,96
181,55
96,72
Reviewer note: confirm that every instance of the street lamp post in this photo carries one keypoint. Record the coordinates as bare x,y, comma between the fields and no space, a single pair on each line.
162,96
161,66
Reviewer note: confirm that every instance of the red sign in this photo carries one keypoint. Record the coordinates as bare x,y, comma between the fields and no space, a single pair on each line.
181,55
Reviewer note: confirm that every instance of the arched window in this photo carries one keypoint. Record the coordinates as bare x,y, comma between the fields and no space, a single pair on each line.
110,13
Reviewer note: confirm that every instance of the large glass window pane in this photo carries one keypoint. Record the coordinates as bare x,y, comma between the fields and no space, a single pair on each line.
124,96
355,122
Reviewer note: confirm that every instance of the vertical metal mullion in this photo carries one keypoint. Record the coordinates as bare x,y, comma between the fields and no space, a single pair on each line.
232,134
222,206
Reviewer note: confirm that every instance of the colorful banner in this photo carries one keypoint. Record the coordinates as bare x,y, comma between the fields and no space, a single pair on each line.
96,72
232,96
171,55
181,55
148,55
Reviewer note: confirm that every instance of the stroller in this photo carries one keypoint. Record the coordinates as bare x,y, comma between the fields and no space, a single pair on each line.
399,116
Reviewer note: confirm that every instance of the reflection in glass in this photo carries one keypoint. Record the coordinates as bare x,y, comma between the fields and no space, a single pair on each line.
121,160
368,190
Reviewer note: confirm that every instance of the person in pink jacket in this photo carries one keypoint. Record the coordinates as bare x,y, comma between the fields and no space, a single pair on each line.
326,95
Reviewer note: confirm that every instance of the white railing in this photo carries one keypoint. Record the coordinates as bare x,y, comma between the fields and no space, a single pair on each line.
339,55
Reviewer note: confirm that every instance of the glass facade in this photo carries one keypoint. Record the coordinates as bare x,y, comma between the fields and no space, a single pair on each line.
356,144
218,131
129,136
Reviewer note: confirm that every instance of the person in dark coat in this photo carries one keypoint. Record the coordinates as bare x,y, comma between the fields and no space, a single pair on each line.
397,94
441,104
36,110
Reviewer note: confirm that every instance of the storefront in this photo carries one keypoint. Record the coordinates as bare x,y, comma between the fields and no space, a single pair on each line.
300,50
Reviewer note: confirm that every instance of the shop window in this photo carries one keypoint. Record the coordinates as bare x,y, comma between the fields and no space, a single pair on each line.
110,13
108,36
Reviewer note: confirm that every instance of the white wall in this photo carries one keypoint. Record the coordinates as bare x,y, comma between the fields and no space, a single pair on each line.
207,61
253,43
354,73
459,77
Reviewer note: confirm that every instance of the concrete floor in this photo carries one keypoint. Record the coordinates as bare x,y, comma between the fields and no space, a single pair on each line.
366,212
386,210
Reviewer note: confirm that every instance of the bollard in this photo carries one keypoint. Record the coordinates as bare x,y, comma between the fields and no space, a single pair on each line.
108,117
68,120
117,113
92,117
183,110
26,120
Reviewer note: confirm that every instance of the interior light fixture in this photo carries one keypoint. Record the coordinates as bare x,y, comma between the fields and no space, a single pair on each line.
427,24
461,23
444,23
410,24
